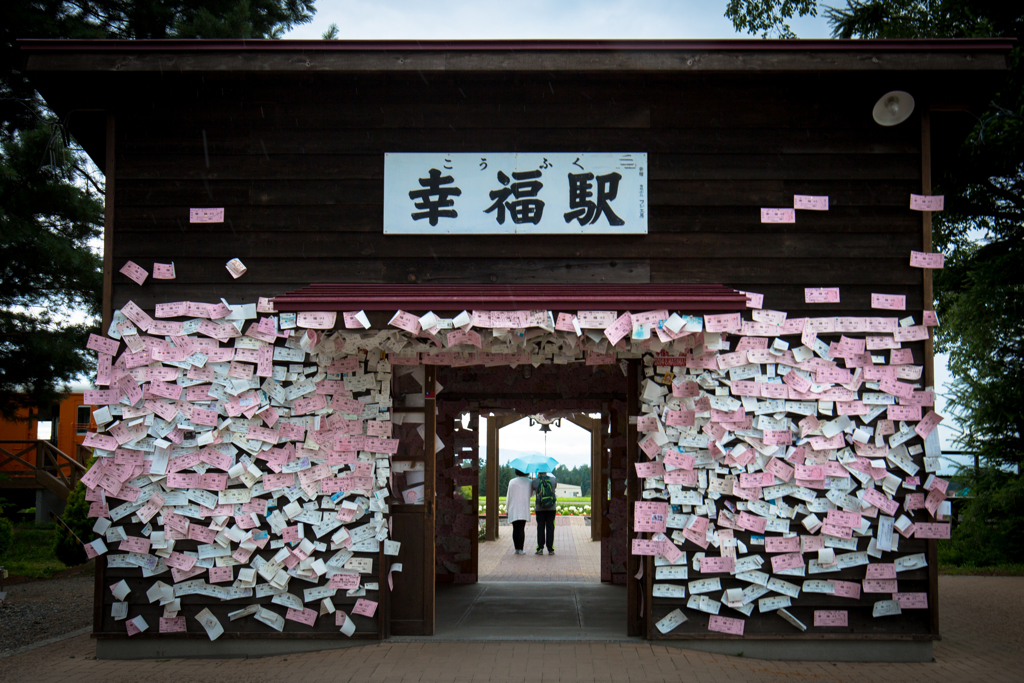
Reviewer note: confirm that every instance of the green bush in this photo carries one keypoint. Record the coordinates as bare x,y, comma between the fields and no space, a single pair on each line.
66,547
6,533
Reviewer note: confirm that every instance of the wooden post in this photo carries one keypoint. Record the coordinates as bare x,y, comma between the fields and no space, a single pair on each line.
929,348
429,494
108,230
634,588
596,465
491,523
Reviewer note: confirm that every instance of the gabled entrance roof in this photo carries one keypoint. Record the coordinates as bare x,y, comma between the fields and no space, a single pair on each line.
379,297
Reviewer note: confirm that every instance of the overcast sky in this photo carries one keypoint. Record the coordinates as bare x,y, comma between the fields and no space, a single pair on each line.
546,19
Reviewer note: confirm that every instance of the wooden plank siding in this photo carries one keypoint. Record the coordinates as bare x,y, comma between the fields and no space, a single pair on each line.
297,163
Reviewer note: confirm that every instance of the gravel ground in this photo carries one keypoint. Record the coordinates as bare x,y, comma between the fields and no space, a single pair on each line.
37,610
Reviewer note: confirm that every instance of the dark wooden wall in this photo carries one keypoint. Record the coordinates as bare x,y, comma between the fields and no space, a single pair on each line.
297,163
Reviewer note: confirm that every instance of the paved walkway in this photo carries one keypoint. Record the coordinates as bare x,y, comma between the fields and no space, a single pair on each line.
576,558
982,622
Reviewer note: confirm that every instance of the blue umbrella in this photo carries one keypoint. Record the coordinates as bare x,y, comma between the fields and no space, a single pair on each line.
533,463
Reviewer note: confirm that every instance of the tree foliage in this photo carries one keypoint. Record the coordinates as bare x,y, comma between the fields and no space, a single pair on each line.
979,296
68,541
51,200
768,18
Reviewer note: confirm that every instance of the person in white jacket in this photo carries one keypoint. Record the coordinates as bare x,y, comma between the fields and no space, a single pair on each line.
517,502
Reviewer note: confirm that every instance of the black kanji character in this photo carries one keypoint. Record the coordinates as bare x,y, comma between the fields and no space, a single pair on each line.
434,210
581,189
526,208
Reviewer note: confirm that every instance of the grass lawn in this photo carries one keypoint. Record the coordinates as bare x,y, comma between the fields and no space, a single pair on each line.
31,552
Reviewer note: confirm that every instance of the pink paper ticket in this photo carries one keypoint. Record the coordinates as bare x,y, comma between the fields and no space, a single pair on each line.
830,617
846,589
717,565
206,215
810,202
924,202
879,585
172,624
821,295
303,616
725,625
911,600
778,215
880,570
928,423
642,546
365,607
726,322
317,320
787,561
931,530
163,271
921,259
754,300
903,412
102,344
135,544
896,302
406,321
622,326
780,544
135,272
596,320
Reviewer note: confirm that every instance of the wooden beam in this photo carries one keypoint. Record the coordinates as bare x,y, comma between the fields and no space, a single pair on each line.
429,494
929,345
596,466
634,587
604,473
491,523
108,225
593,425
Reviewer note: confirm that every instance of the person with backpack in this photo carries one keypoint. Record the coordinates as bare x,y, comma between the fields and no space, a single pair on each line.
518,504
545,503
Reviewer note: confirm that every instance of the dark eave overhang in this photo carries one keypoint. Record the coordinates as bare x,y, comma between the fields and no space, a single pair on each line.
422,298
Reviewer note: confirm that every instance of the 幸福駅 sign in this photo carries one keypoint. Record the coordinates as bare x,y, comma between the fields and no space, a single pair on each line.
526,193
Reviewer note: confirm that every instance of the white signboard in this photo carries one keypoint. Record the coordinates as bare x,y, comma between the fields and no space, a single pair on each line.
526,193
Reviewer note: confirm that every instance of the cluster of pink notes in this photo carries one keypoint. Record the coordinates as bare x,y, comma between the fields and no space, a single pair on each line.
925,202
206,215
927,259
821,295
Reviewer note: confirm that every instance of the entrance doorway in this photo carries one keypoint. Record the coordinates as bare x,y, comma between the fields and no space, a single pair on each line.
437,518
579,592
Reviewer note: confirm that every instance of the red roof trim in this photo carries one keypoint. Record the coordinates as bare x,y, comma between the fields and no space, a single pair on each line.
725,45
374,297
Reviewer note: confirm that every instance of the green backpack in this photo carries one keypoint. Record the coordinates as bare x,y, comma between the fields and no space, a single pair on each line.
545,493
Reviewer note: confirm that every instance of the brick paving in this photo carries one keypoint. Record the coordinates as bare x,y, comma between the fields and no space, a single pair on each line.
981,617
576,558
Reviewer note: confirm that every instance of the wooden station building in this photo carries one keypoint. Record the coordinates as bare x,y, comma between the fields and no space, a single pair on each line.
292,139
